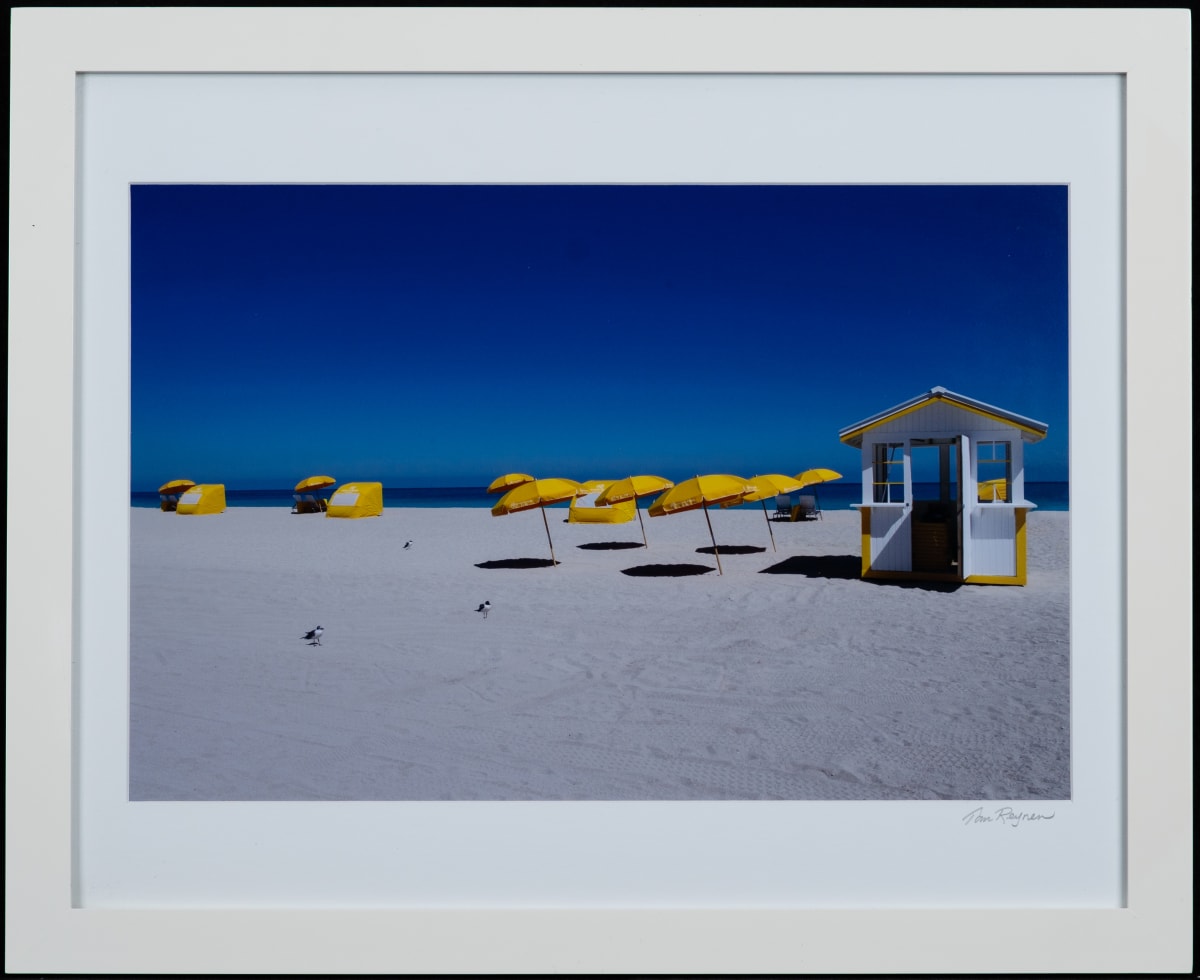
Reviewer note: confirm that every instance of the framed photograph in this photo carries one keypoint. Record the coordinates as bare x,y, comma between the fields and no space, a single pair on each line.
149,149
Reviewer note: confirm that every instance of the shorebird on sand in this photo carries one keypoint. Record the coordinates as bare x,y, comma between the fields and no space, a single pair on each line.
314,636
483,608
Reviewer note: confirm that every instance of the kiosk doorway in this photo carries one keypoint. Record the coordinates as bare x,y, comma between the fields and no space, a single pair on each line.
937,505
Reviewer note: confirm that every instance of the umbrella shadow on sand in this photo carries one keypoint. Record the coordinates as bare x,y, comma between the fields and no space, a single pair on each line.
671,571
517,563
732,549
847,567
609,545
818,566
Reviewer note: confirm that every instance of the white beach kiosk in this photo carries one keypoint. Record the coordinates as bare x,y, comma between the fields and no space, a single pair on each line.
962,519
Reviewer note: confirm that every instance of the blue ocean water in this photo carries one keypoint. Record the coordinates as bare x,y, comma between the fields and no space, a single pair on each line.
832,496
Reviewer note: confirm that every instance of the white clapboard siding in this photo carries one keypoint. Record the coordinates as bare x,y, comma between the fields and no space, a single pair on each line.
891,549
934,420
993,534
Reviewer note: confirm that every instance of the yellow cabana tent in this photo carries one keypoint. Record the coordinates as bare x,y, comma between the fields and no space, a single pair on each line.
356,500
993,490
203,498
583,509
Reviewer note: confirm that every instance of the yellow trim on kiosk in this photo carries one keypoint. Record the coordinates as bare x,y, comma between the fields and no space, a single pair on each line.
865,514
1019,518
887,418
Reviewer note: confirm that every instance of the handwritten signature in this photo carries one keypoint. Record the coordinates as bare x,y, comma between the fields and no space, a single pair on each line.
1004,816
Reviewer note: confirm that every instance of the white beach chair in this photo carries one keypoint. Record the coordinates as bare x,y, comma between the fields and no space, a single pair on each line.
806,508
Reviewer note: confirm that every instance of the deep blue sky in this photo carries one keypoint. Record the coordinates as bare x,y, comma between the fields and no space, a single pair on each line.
442,335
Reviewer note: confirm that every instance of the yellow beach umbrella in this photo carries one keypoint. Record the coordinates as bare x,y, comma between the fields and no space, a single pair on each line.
701,492
315,483
633,488
809,477
502,484
168,493
540,494
304,494
772,485
176,486
818,475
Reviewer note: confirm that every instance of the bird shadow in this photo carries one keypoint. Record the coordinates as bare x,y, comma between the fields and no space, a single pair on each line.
517,563
731,549
609,545
658,571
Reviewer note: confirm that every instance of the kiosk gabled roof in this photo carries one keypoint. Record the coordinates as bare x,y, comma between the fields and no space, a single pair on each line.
1031,429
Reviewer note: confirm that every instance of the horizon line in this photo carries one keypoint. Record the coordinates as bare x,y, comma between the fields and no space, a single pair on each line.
483,486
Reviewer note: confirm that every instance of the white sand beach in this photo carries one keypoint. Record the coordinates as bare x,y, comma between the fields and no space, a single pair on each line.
785,678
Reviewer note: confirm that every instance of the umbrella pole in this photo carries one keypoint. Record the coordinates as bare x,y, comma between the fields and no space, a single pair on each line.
714,540
645,543
553,560
769,528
